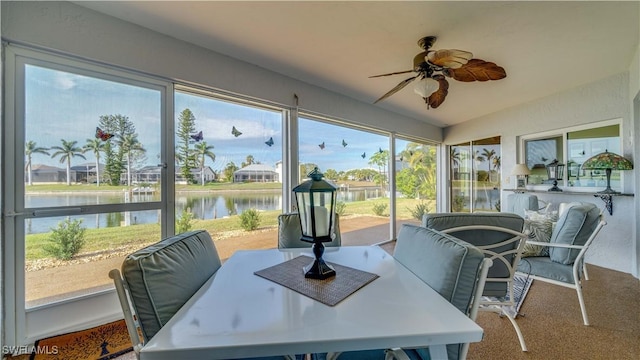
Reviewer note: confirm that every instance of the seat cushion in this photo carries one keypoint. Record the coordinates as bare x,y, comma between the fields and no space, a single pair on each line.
444,221
574,227
544,267
163,276
289,232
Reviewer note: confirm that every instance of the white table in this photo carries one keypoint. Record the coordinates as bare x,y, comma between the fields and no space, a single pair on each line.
238,314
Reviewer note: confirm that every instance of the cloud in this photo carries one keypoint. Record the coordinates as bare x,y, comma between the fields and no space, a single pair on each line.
65,81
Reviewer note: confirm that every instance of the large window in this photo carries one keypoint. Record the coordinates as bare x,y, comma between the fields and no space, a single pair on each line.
475,175
415,165
85,138
357,162
228,166
74,201
572,147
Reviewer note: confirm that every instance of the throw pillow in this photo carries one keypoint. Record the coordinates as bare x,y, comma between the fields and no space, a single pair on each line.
539,230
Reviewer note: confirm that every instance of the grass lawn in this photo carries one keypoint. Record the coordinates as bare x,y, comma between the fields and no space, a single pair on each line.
114,237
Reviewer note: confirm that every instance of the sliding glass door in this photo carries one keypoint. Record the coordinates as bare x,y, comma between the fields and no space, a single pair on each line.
475,175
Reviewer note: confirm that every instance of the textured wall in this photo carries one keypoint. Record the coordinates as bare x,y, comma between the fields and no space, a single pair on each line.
602,100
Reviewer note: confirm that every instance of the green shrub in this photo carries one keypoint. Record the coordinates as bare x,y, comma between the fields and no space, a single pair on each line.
341,207
380,209
458,203
420,209
66,240
185,222
250,219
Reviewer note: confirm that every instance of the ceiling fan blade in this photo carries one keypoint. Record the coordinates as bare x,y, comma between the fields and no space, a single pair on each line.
437,98
397,88
393,73
449,58
476,70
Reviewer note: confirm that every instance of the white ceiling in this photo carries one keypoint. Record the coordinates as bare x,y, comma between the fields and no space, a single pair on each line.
545,47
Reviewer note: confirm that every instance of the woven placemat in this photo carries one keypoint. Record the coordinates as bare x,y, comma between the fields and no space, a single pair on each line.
329,291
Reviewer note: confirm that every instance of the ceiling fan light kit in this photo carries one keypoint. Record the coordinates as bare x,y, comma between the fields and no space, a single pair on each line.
426,86
434,66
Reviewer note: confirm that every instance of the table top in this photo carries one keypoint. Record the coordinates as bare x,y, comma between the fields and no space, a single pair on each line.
238,314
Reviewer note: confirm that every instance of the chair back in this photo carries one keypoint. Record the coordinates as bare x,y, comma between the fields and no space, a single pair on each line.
575,226
161,277
290,233
498,235
450,266
517,203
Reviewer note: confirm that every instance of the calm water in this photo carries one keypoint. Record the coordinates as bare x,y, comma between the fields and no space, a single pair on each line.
204,206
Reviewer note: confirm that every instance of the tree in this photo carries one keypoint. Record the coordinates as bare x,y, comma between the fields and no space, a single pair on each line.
203,151
419,179
497,163
129,145
305,169
488,155
186,127
381,160
30,149
248,161
331,174
121,127
67,151
96,146
228,171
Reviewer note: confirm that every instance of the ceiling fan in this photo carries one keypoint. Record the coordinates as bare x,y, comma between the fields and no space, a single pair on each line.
434,66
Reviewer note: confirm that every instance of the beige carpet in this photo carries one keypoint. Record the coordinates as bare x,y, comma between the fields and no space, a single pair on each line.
552,325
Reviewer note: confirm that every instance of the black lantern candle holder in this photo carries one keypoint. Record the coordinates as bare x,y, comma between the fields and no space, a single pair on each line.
555,172
316,200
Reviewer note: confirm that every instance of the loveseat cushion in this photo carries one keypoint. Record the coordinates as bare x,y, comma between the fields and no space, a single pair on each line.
163,276
444,221
574,227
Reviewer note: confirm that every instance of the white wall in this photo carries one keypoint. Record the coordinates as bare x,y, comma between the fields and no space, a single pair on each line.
602,100
82,32
634,94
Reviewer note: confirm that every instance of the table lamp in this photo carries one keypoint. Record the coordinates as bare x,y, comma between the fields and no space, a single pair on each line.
316,200
607,161
520,171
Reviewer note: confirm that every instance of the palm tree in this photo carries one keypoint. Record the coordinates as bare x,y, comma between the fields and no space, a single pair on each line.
96,146
488,155
130,143
248,161
67,151
380,159
497,163
30,148
203,151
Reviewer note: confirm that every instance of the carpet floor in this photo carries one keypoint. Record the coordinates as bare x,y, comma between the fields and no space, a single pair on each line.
552,322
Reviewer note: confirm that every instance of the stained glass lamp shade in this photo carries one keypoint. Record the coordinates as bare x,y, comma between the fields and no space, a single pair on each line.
607,161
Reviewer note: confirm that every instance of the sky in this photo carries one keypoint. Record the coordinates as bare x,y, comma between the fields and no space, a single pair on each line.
63,105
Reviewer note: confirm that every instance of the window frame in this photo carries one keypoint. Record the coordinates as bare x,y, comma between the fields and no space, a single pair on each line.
563,134
30,324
